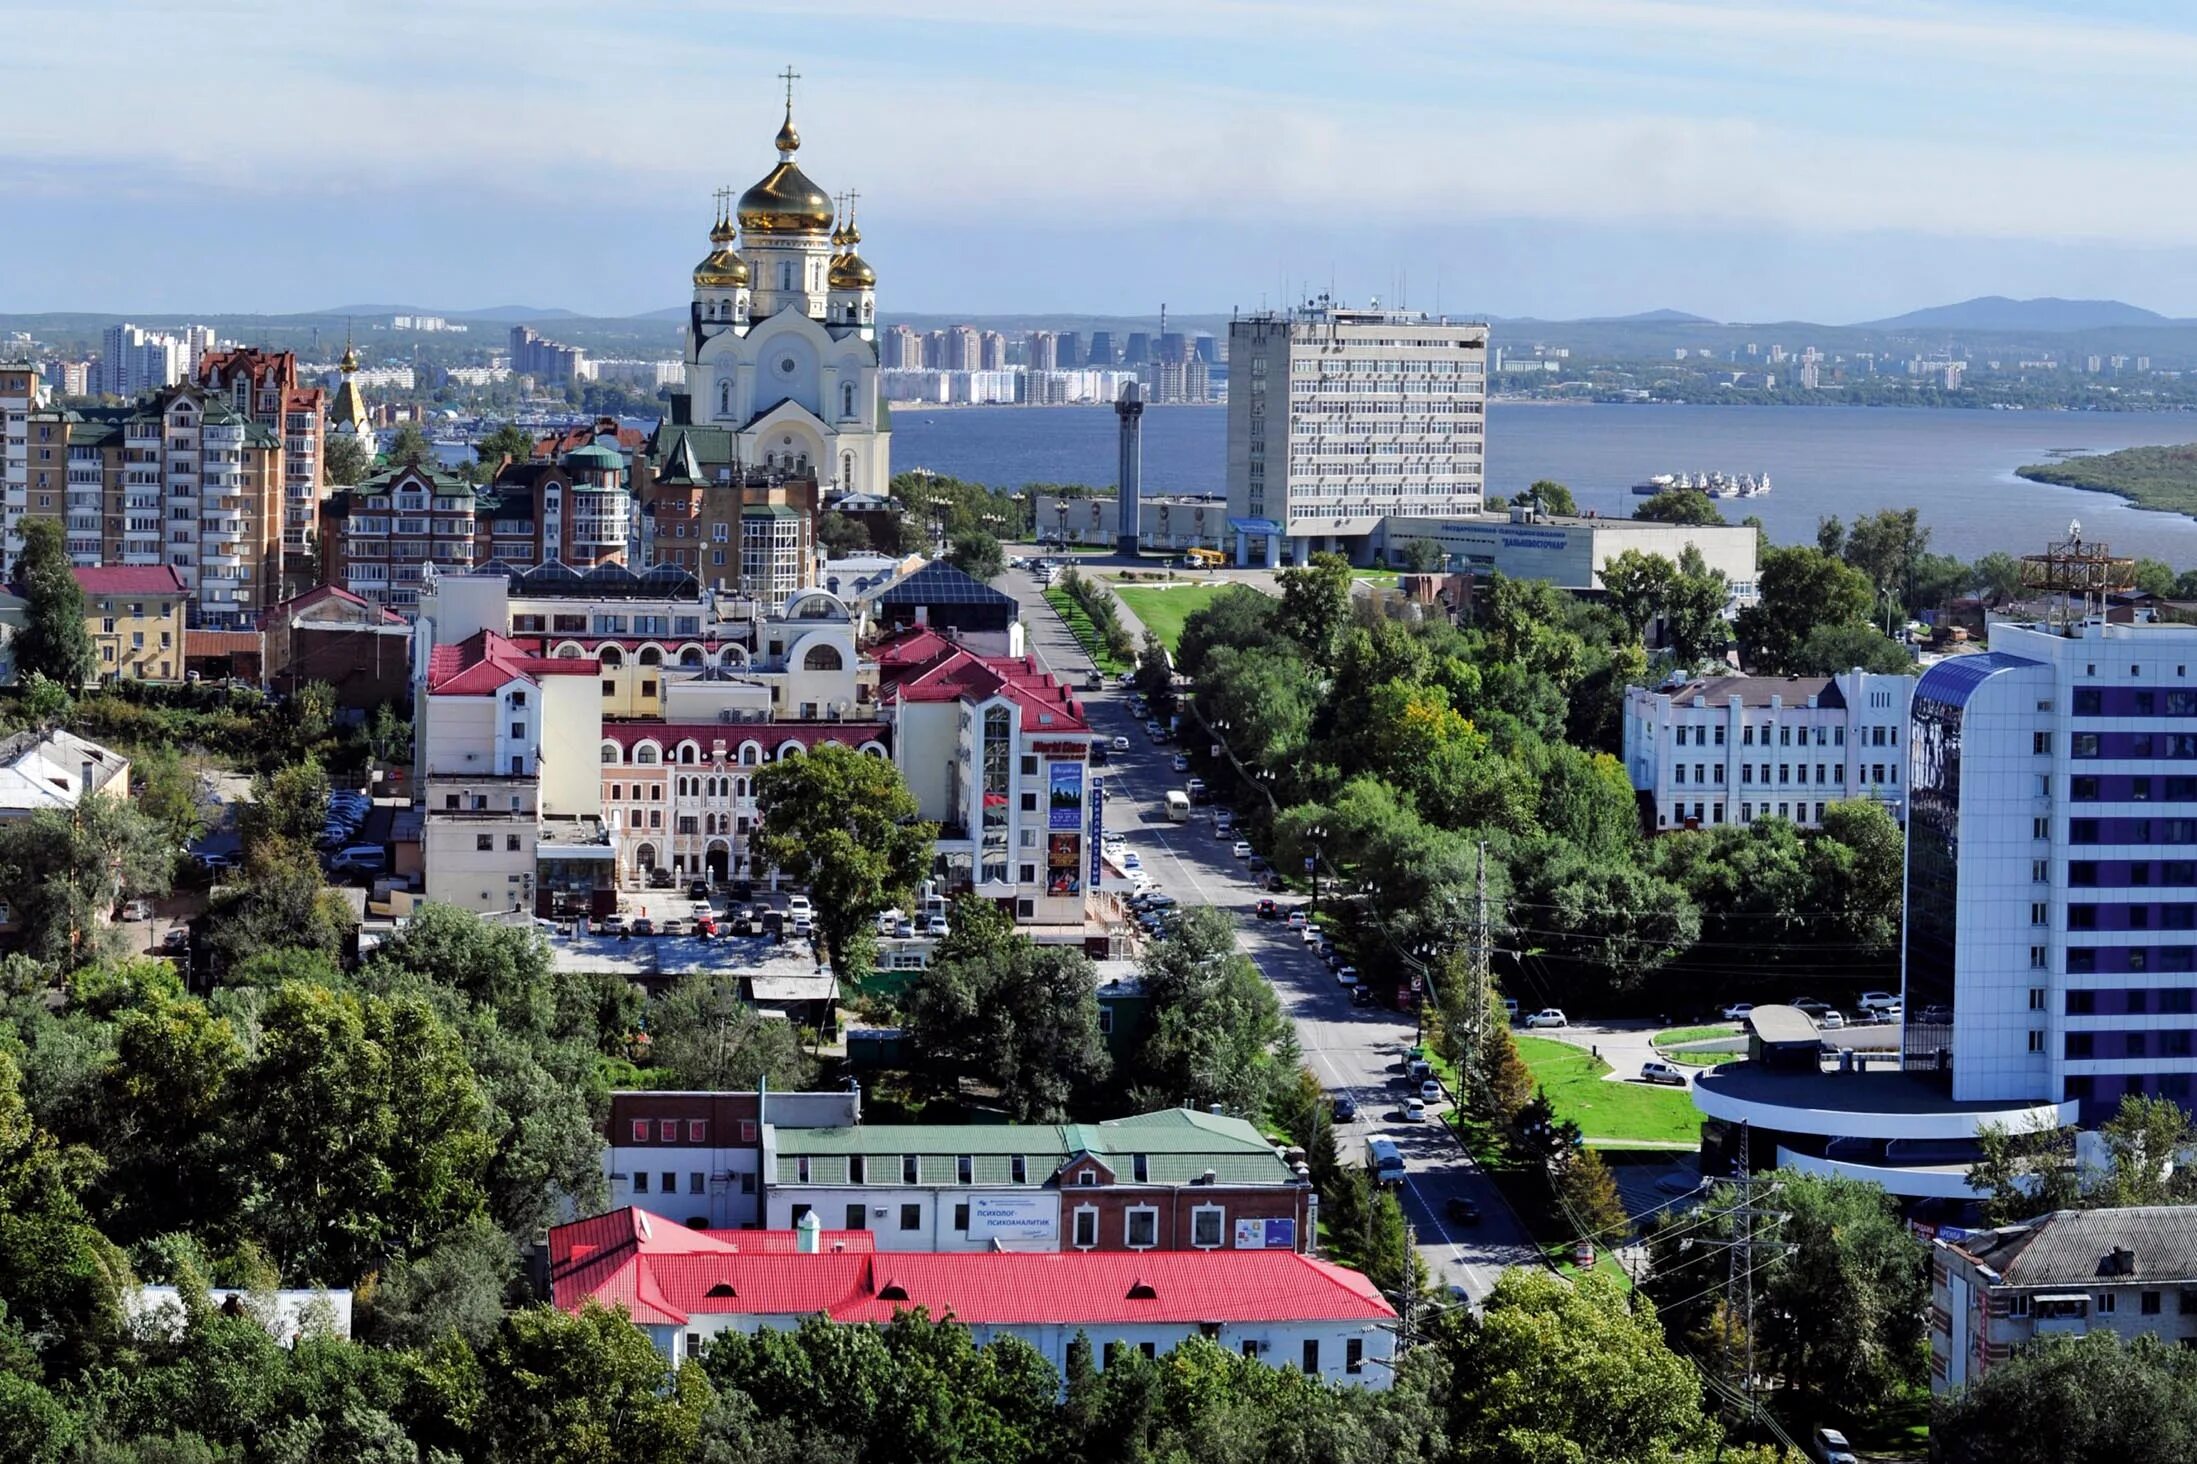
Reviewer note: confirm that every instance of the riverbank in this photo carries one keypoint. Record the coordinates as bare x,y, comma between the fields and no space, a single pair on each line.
2160,478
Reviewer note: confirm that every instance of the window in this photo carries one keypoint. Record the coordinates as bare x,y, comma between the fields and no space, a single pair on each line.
1140,1167
2107,1301
2084,744
2036,1039
911,1217
2036,998
1020,1166
511,843
1088,1177
1141,1227
1354,1355
793,1216
695,1183
961,1217
1085,1229
484,843
667,1131
801,1169
2041,743
907,1169
858,1217
640,1131
1312,1354
1207,1223
2149,1303
640,1182
671,1183
697,1130
964,1169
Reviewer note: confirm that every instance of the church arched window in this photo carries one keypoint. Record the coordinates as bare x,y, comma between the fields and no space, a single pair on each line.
724,398
846,468
846,399
785,277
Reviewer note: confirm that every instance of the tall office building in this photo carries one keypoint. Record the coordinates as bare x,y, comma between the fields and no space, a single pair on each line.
934,350
1139,350
548,361
134,361
1339,418
1068,350
1103,351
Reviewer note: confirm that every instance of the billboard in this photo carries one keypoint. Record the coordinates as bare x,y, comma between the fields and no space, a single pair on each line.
1266,1235
1064,864
1027,1218
1066,802
1098,831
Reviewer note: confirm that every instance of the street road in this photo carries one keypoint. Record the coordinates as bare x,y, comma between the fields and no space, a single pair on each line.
1357,1051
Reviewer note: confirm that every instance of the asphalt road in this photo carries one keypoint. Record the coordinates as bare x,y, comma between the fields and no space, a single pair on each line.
1357,1051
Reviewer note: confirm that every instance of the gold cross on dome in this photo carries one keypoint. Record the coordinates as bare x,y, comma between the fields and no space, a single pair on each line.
789,76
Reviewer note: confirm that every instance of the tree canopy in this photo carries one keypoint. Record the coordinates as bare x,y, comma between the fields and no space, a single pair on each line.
844,824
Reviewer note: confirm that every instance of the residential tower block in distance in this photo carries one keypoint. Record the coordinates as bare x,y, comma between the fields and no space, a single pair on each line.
1340,418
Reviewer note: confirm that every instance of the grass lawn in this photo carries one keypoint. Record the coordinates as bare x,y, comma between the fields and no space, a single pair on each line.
1164,609
1695,1034
1384,577
1079,625
1611,1114
1703,1059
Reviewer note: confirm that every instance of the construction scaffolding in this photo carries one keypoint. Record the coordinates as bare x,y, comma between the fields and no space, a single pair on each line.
2078,573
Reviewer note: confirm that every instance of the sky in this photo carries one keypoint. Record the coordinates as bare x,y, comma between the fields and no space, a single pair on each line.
1835,161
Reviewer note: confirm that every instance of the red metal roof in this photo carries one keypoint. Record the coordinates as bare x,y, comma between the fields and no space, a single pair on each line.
297,604
920,665
484,662
220,643
128,579
664,1273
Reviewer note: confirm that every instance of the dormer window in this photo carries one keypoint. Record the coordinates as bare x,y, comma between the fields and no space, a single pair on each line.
1087,1178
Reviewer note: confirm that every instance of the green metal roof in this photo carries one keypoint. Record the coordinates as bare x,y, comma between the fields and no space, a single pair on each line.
769,510
594,455
1179,1145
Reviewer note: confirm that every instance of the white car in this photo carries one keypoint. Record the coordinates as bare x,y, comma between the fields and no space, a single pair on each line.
1297,919
1831,1021
1181,763
799,905
1346,975
1662,1072
1548,1017
887,920
1877,1000
1241,849
1414,1111
1738,1011
1430,1091
1121,744
936,926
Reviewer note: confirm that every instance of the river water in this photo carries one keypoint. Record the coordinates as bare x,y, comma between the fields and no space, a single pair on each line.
1956,466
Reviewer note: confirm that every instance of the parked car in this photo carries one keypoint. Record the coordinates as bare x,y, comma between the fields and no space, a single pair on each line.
698,890
1310,934
1662,1072
1460,1211
1829,1446
1361,995
936,927
1934,1016
1257,864
1130,862
1345,1109
361,859
705,927
1831,1021
1346,975
1153,729
1548,1017
1430,1091
612,925
1808,1004
1241,849
1297,920
1274,882
643,926
177,940
1510,1008
1738,1011
137,910
1870,1001
661,879
1414,1111
213,861
742,889
886,920
672,926
1886,1016
1416,1068
1267,910
799,905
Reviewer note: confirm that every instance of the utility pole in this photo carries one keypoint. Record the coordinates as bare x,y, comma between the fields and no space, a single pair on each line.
1739,1293
1476,1005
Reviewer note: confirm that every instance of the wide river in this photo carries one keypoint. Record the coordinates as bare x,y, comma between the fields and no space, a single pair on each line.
1956,466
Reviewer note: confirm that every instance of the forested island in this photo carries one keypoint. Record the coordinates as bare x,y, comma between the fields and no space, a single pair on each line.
2149,477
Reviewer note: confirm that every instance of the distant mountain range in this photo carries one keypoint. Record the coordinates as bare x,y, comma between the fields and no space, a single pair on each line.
1997,312
502,313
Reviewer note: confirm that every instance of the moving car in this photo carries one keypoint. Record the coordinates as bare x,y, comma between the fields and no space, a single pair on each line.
798,905
1121,744
1181,763
1547,1017
1361,995
1385,1160
1870,1001
1241,849
1460,1211
1266,909
1662,1072
176,940
1345,1109
1738,1011
1829,1446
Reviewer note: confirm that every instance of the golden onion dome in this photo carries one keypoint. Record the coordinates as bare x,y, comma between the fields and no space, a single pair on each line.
723,270
785,202
350,362
851,272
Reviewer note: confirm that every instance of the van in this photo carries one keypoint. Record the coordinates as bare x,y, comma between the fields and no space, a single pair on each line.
1385,1160
1178,806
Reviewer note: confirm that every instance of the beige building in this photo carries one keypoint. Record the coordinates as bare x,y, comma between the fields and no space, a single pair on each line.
264,386
1339,419
180,479
2131,1272
135,616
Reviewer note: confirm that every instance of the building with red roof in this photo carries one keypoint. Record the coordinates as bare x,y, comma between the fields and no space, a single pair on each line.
683,1286
328,634
135,614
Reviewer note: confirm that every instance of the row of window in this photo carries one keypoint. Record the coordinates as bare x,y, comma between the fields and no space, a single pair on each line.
1705,735
1140,1224
1747,813
2132,831
2122,701
2178,1043
1787,773
2133,744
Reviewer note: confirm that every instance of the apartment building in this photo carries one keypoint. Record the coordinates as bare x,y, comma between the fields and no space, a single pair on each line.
2131,1272
181,479
378,538
264,387
1731,749
1339,418
22,391
698,1157
328,634
681,1287
136,617
1177,1179
745,529
998,753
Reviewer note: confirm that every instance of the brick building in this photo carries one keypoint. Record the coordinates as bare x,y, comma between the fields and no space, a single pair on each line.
699,1156
264,386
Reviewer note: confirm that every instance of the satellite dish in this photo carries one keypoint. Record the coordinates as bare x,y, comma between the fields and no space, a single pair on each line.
2074,528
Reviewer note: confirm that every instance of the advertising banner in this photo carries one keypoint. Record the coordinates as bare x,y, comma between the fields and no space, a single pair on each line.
1028,1218
1066,803
1064,864
1266,1235
1098,832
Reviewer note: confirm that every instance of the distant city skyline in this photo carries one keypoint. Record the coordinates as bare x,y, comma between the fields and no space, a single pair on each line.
1555,158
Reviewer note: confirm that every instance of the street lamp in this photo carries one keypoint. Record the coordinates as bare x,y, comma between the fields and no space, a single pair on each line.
1316,833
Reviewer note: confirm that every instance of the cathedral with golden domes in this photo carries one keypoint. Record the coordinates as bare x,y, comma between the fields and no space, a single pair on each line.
781,340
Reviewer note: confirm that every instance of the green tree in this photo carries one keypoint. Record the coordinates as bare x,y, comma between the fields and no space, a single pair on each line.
459,1284
2155,577
1843,1302
409,447
844,824
65,872
1693,610
169,795
1156,676
1829,650
2000,576
1888,547
1557,1370
1554,498
289,806
1216,1033
1680,506
2074,1400
1801,589
585,1389
54,642
1315,604
841,535
978,555
1637,586
702,1036
1422,556
166,1122
344,460
1590,1199
1238,617
60,1279
1022,1020
509,440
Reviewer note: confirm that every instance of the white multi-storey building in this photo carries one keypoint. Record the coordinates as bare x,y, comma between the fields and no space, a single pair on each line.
1339,418
21,391
1732,749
